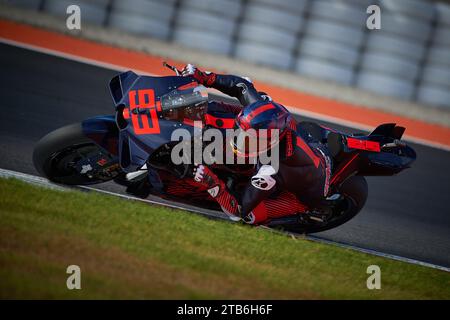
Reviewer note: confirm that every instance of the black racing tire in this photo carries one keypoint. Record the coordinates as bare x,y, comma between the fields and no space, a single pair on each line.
355,191
53,144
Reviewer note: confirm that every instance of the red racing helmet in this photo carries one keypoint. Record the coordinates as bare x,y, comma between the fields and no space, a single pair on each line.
260,127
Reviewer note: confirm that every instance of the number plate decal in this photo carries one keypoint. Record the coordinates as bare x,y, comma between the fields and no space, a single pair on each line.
142,124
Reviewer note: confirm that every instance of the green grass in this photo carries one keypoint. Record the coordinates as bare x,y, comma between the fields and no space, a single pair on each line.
134,250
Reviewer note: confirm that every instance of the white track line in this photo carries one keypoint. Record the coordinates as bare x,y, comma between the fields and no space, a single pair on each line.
47,184
379,254
294,110
42,182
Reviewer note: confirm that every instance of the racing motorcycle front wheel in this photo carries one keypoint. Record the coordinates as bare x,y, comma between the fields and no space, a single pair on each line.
68,157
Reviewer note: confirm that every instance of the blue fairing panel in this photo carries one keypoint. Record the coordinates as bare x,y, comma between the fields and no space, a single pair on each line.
103,131
120,84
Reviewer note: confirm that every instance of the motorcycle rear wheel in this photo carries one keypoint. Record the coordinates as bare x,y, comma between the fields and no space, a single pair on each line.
354,191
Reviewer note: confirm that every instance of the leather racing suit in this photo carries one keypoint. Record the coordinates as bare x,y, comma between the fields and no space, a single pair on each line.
304,166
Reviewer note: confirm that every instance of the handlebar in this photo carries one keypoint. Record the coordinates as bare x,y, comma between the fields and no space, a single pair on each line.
174,69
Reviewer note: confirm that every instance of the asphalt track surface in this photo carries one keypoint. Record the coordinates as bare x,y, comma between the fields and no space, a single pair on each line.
406,215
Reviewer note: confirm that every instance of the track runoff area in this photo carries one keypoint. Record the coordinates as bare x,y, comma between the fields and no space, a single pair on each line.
438,137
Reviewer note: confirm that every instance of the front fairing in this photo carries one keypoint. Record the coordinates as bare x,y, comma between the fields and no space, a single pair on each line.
145,125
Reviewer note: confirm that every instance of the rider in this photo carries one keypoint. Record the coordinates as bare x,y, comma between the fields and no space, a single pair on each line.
304,166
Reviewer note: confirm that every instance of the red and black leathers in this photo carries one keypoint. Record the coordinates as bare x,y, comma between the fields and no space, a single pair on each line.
304,166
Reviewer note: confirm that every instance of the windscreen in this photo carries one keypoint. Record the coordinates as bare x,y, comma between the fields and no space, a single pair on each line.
189,103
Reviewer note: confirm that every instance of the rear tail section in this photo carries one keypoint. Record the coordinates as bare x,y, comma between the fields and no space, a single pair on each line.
381,153
384,153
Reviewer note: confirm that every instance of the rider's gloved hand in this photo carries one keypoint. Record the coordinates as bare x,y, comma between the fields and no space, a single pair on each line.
205,177
217,190
205,78
188,70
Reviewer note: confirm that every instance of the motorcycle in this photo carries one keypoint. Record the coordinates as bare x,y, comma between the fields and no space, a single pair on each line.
133,148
